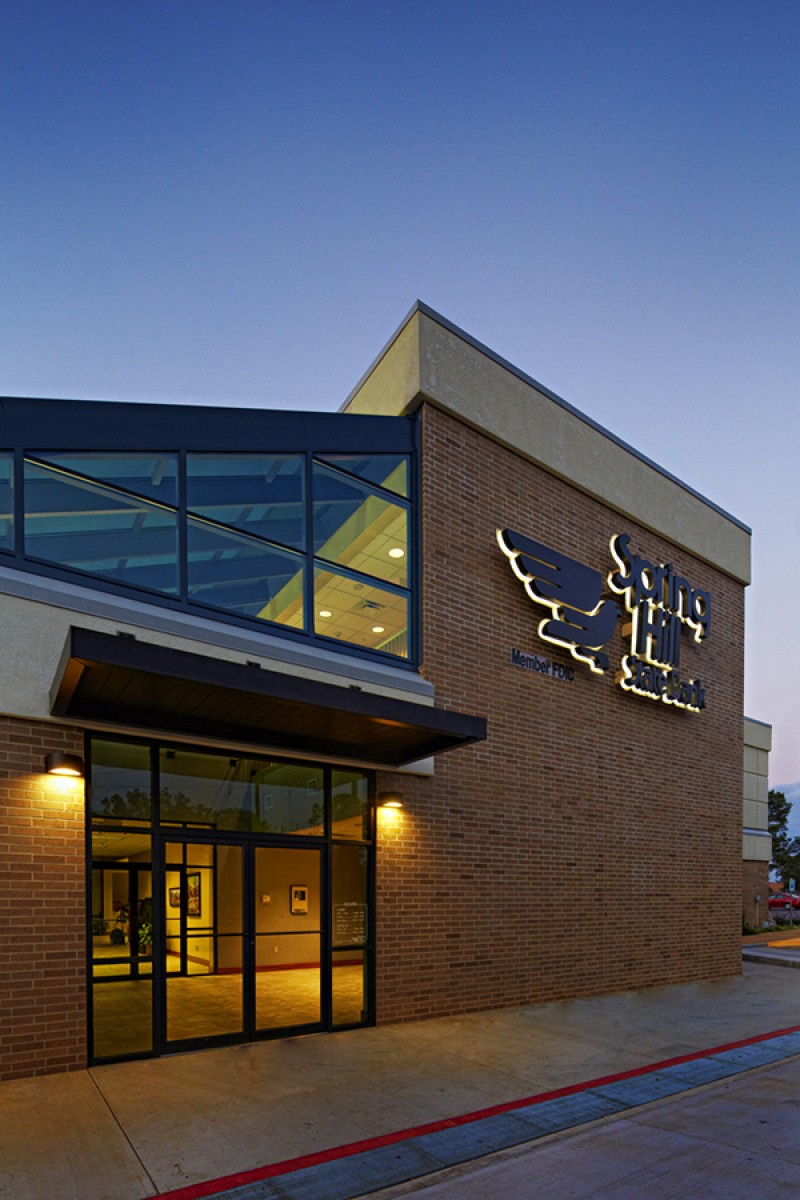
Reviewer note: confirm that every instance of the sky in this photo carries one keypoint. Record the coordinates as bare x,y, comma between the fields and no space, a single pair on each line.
238,202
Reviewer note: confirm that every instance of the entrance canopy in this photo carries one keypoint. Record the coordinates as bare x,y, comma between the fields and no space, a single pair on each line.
141,685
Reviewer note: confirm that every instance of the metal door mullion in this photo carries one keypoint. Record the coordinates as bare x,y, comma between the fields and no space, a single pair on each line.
249,941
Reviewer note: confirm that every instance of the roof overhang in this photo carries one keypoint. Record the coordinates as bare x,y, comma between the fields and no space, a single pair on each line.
123,681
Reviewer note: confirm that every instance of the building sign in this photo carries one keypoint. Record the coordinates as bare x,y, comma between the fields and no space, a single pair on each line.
580,619
542,666
659,602
349,924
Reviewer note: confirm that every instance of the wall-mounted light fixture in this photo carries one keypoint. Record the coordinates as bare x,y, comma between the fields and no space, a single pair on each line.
390,800
58,763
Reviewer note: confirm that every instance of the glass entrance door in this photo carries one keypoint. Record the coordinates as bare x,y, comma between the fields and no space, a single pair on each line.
242,940
288,937
230,897
204,941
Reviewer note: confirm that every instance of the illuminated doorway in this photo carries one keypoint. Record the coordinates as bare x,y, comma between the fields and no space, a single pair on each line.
234,896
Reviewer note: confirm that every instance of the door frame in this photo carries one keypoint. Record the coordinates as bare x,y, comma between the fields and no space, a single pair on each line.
248,844
161,833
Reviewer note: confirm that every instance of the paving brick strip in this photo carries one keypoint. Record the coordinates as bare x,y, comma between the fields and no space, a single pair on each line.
359,1168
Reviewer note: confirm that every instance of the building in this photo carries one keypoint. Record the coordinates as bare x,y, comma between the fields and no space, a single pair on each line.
423,707
756,840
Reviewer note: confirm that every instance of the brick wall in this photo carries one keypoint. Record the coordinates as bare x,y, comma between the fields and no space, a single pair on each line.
42,904
593,842
755,882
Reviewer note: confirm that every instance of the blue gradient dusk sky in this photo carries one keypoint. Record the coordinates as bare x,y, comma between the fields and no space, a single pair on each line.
236,202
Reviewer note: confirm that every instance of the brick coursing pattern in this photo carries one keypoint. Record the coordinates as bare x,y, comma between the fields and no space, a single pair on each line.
42,904
755,882
593,842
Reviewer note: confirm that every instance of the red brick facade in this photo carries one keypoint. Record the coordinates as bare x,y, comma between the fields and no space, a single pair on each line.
755,882
593,842
42,904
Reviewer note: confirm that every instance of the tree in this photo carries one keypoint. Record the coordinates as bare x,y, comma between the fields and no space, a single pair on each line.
785,849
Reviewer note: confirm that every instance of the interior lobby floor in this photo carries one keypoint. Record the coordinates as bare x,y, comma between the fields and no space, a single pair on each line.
133,1130
211,1005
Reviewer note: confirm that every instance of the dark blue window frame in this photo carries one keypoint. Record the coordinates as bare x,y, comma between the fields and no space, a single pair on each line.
69,427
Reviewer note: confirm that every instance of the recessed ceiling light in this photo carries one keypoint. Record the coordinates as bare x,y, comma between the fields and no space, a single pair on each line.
378,628
325,612
396,552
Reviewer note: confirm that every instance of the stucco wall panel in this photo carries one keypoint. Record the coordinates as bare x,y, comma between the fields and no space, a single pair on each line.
473,384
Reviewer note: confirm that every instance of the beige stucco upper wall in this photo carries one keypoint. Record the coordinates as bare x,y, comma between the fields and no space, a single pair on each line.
37,613
757,734
430,360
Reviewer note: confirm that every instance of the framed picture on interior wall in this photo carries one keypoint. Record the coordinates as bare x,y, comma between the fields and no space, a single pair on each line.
193,899
298,898
175,897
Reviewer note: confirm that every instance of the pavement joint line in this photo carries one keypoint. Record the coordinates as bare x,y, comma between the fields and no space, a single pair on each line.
121,1128
358,1168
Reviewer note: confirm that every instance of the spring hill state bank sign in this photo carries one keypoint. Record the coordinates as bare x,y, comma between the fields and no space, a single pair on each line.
658,600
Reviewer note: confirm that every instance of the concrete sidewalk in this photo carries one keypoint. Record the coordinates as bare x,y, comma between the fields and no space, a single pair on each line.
134,1130
731,1141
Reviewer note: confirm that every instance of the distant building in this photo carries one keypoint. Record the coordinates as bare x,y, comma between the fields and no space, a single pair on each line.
756,841
252,635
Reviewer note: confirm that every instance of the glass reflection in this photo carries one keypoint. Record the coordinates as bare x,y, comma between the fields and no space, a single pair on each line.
120,781
387,470
261,494
151,475
89,527
349,805
6,502
243,794
228,570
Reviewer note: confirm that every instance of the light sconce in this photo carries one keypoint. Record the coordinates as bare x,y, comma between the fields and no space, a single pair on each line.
58,763
390,800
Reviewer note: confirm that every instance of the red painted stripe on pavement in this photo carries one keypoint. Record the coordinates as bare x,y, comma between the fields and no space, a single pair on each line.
211,1187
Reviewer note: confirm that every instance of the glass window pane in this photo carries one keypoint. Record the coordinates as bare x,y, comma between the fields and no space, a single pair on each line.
358,528
120,781
151,475
387,470
92,528
288,910
349,987
201,790
241,793
204,923
349,802
349,895
227,570
123,1021
263,494
111,931
288,798
357,612
6,502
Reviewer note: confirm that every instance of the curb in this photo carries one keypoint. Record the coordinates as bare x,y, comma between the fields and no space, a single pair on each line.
362,1167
